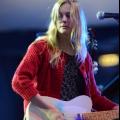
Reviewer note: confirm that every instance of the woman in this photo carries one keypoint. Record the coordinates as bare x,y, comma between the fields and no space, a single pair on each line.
58,64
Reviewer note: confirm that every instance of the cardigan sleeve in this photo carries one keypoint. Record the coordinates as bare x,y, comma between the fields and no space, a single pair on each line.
23,82
99,102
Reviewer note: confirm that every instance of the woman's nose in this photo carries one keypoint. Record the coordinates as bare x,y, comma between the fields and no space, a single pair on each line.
64,19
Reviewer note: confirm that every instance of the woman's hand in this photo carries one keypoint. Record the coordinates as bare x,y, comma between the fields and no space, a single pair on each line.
51,112
116,108
54,114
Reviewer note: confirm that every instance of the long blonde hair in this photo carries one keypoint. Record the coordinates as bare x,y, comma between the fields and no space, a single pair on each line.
77,39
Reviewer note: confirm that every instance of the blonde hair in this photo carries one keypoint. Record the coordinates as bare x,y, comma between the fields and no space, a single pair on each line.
76,40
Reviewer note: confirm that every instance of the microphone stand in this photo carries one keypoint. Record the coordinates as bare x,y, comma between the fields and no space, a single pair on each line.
117,20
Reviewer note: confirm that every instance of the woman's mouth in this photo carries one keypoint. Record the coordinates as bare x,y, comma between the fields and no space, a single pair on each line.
65,27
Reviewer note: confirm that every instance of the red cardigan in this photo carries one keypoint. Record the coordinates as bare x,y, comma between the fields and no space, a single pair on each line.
36,75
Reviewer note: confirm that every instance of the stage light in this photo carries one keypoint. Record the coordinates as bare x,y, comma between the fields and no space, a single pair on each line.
109,60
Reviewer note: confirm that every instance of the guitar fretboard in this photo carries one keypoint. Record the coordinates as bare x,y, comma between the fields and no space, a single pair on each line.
103,115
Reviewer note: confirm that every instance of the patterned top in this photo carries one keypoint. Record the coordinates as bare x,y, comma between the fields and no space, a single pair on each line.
73,83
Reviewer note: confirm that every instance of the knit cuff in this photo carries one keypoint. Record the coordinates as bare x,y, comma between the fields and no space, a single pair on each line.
25,92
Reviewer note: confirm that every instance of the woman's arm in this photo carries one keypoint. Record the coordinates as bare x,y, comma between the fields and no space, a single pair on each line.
99,102
23,82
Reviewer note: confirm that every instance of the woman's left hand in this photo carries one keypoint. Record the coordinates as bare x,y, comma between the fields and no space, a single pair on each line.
116,108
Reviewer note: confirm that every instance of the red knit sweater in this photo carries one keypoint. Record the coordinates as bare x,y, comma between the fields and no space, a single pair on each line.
36,75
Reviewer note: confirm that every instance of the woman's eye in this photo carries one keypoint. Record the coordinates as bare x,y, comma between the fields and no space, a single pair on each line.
60,16
68,15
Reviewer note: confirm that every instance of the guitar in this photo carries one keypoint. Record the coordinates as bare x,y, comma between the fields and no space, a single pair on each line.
92,45
78,108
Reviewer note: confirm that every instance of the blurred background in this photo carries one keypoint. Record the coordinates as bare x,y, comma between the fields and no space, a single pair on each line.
21,21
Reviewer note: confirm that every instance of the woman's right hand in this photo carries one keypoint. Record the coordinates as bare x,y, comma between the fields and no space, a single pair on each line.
54,114
51,111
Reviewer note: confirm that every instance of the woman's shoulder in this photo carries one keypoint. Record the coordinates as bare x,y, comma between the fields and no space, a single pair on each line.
39,44
41,40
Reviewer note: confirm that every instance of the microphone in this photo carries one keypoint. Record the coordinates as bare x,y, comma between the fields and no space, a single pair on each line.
102,15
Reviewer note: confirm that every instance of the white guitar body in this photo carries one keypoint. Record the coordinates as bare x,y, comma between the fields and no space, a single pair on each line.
80,104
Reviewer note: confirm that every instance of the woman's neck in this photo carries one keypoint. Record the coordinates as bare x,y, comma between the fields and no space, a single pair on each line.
63,38
65,45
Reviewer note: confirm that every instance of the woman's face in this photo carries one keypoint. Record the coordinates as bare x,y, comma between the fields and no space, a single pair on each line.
64,23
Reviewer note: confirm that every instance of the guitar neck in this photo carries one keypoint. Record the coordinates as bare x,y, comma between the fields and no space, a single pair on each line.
103,115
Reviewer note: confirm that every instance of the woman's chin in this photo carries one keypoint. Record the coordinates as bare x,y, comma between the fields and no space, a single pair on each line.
65,31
